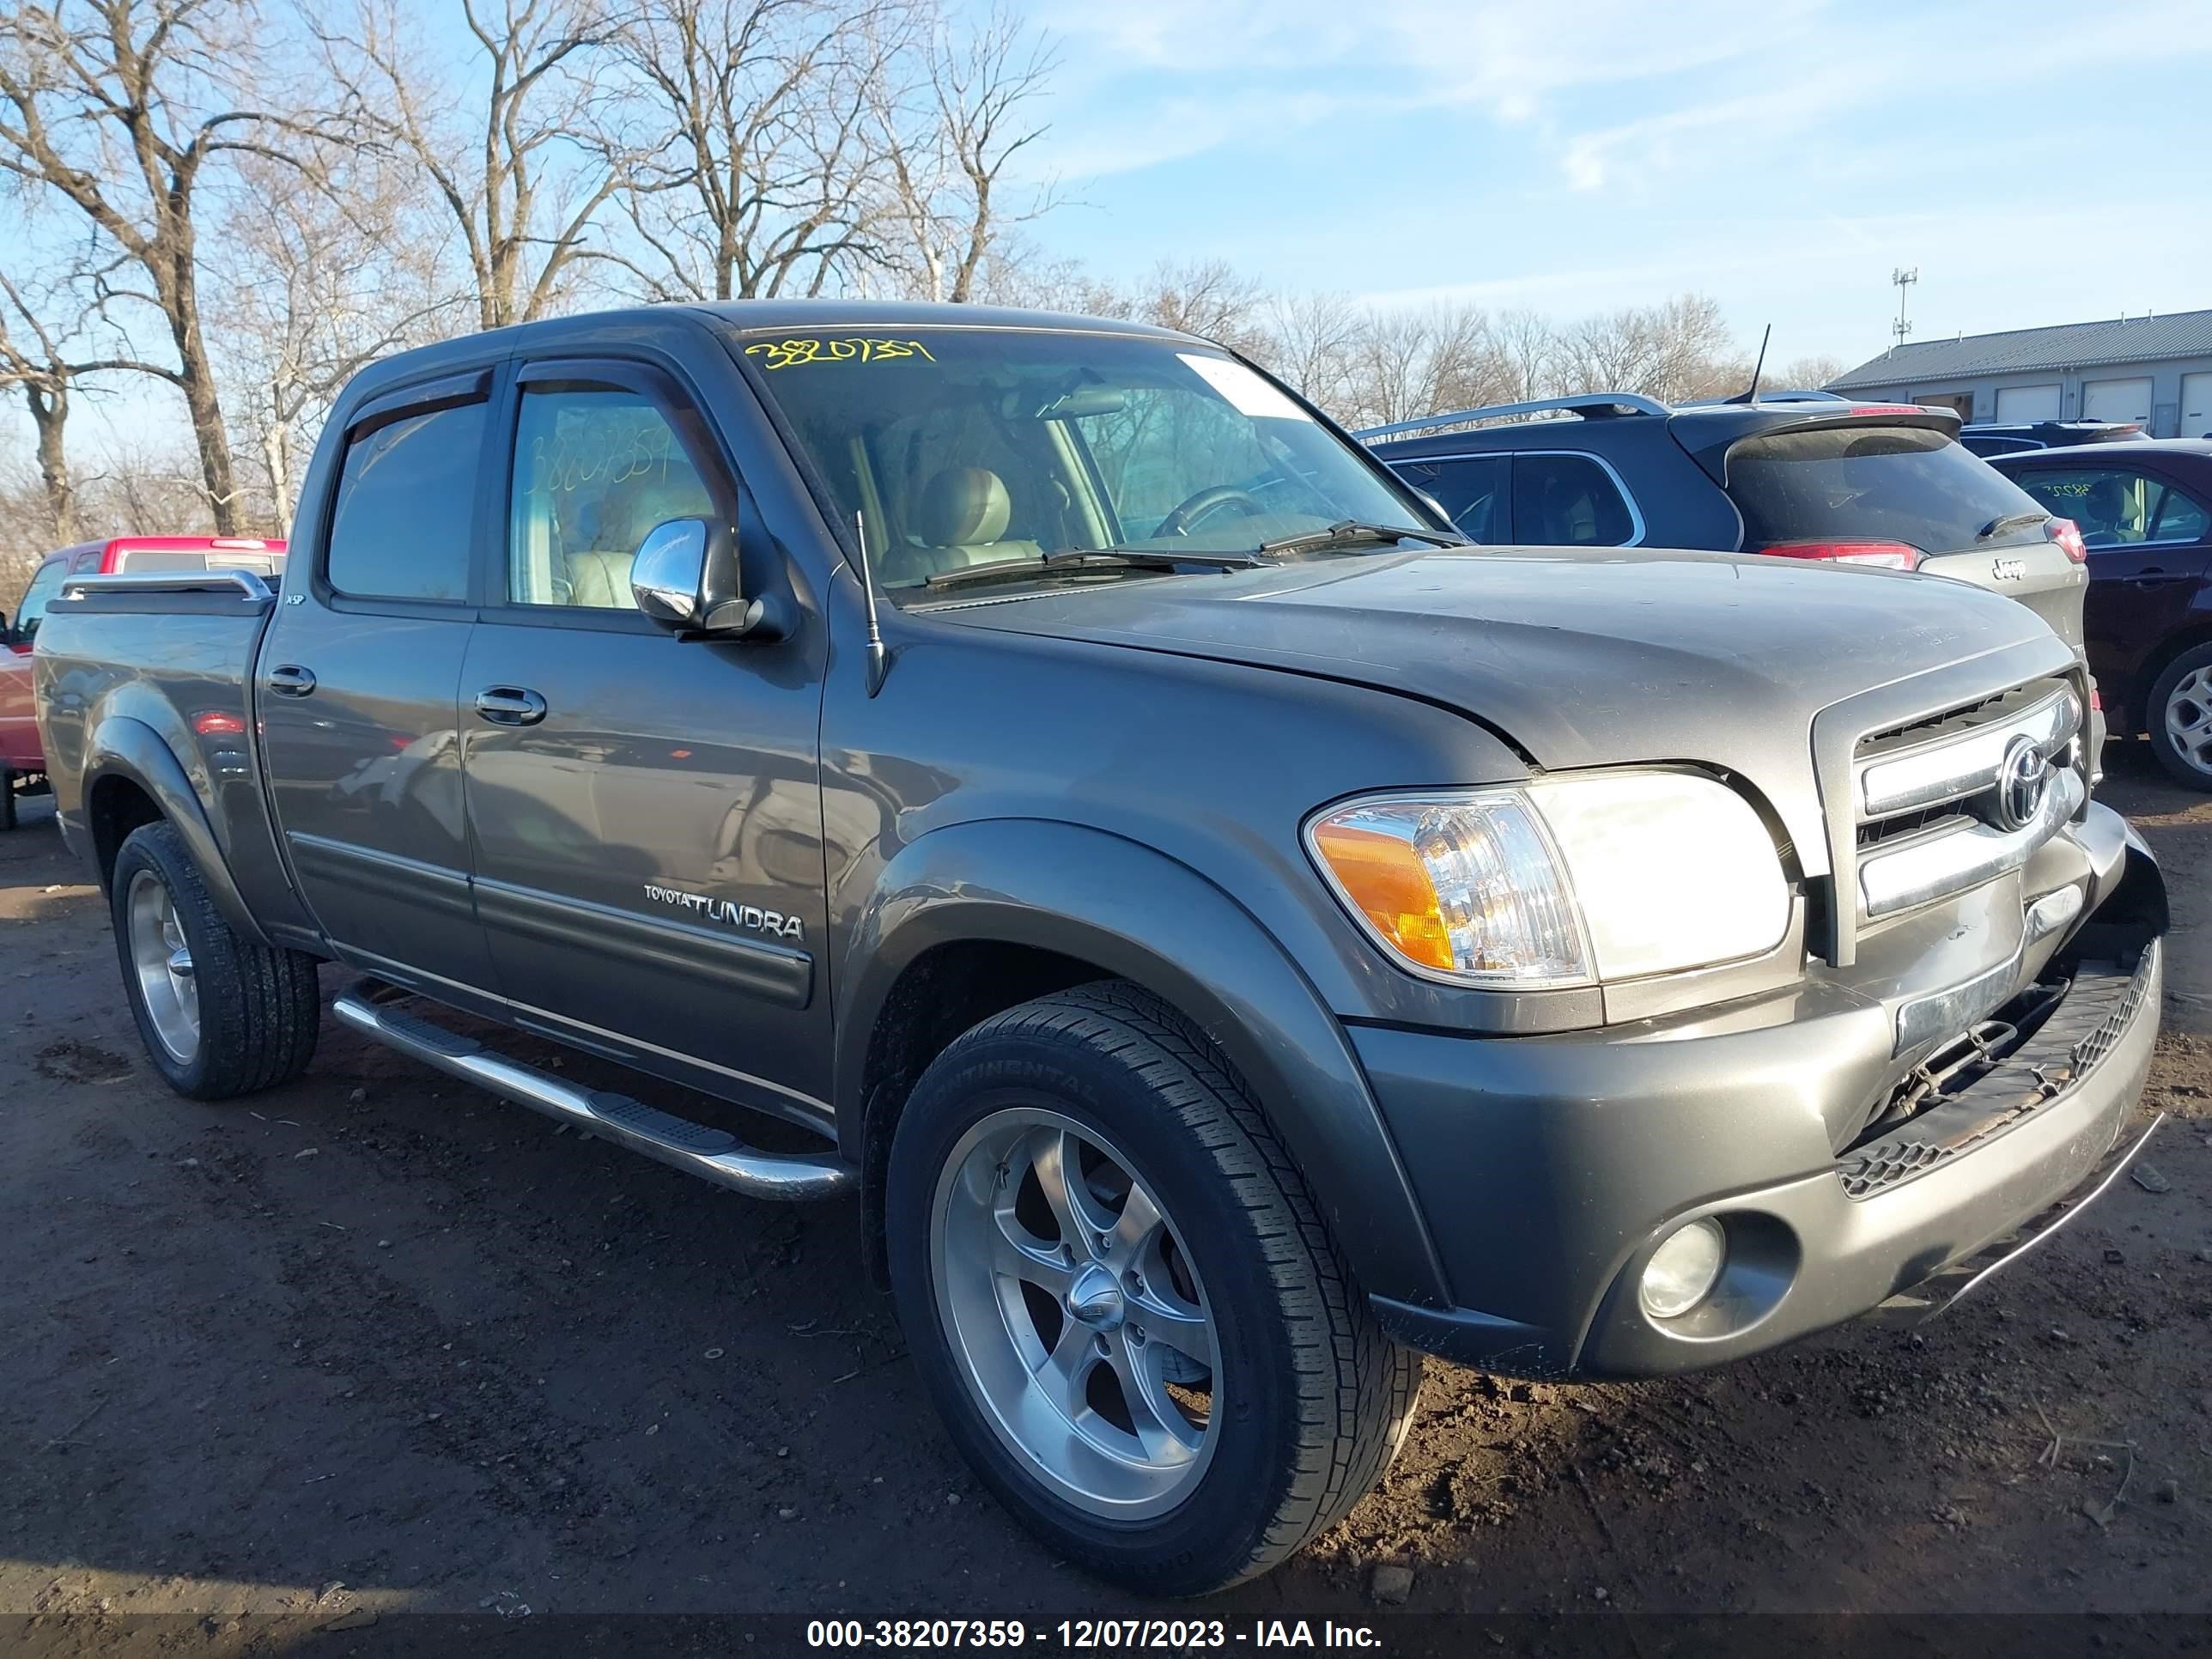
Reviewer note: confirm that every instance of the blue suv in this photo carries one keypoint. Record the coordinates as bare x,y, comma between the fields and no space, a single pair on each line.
1797,475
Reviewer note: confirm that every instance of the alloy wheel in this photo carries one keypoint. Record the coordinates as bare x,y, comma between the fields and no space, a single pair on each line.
162,958
1075,1313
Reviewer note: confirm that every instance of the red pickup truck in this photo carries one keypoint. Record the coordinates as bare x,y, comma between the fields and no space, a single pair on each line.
21,762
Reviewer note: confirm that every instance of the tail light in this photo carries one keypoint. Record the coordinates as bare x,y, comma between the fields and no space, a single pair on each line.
2067,535
1886,556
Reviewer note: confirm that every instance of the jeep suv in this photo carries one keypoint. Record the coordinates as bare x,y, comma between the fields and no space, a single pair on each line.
1798,475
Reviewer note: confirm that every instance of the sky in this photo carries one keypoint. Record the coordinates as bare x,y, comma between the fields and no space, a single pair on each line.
2037,162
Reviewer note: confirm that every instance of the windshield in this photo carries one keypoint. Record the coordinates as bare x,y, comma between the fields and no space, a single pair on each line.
962,447
1905,484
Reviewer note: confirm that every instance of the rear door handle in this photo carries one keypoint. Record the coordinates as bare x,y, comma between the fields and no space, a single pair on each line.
288,679
510,705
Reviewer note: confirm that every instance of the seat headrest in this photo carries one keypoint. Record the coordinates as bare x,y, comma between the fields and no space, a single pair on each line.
963,507
629,511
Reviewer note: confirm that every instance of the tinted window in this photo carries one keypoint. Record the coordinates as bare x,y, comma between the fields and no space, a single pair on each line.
595,470
2111,506
405,508
1893,484
2180,520
1568,501
36,598
1471,492
1982,445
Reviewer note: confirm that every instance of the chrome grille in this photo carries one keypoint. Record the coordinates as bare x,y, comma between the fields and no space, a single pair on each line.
1933,817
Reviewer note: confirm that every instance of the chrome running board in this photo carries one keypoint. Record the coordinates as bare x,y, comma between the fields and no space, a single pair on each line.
711,1154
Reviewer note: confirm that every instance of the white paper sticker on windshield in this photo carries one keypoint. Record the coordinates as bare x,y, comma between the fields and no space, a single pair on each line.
1246,391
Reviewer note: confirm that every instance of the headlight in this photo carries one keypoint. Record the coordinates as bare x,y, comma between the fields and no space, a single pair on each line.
1561,882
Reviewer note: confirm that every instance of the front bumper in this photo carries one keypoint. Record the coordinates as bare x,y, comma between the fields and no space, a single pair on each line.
1550,1169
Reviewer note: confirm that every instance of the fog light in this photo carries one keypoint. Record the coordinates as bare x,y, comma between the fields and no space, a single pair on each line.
1683,1269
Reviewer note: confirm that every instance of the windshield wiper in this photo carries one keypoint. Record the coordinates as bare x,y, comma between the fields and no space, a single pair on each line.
1107,558
1351,531
2019,520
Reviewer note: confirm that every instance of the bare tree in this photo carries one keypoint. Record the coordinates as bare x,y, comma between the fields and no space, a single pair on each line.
46,377
1414,363
1810,374
1208,298
319,283
1675,352
524,162
948,144
1528,348
762,185
1313,341
118,107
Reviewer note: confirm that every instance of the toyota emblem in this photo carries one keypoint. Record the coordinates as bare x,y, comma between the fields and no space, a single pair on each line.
2021,782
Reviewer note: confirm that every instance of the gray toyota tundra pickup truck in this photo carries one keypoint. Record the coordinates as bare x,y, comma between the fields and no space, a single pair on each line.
1225,933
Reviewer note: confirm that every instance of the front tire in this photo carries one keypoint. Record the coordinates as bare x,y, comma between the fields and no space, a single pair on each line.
1123,1300
220,1014
2180,718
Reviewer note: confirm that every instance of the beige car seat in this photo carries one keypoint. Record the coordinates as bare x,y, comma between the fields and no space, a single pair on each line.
599,576
960,515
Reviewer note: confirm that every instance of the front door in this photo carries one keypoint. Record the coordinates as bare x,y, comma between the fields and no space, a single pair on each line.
19,724
645,811
358,693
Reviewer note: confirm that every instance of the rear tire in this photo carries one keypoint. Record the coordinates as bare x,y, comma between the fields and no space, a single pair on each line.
1305,1399
220,1015
2178,719
7,800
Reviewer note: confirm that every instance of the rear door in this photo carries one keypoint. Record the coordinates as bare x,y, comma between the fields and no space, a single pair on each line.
1566,498
358,695
646,811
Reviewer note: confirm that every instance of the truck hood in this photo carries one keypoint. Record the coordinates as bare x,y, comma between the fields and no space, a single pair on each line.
1578,658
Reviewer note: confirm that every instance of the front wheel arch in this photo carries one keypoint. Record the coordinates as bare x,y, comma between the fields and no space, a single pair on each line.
1081,904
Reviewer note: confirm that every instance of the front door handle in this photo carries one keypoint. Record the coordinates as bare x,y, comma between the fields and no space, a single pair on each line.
510,705
288,679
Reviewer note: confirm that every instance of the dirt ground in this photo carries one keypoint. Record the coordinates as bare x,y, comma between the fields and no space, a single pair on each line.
376,1342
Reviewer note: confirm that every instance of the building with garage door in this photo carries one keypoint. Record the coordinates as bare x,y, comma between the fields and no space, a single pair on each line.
2154,371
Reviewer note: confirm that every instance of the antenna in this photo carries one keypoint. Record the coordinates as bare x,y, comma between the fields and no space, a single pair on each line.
1750,394
878,660
1903,279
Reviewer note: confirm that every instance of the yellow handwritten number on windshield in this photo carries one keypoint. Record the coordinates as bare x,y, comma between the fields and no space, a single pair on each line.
788,353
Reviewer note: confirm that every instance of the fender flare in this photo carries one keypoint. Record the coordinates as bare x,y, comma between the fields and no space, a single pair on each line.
1140,915
124,747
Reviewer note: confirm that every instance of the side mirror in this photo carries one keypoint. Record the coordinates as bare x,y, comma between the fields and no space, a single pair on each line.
683,576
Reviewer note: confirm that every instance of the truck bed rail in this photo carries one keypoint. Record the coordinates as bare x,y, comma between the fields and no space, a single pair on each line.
169,581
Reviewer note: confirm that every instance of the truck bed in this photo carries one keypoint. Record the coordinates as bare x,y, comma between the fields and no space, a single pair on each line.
160,667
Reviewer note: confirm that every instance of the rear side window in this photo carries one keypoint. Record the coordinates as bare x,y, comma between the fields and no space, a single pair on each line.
1472,492
1568,501
406,508
1899,483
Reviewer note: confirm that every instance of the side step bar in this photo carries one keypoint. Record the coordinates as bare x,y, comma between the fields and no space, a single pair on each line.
712,1154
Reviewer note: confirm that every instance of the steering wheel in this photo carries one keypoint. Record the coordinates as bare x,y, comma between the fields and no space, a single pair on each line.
1209,500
